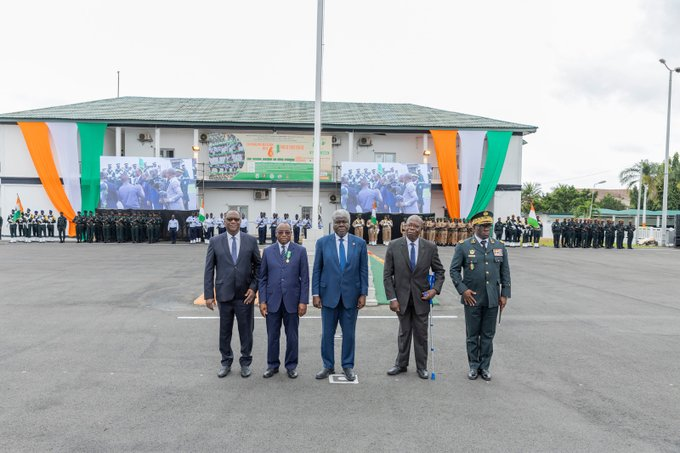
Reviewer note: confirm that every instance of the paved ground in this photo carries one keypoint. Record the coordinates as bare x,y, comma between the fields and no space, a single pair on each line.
93,357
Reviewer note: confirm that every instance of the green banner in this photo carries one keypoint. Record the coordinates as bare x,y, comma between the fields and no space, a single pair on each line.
91,149
497,149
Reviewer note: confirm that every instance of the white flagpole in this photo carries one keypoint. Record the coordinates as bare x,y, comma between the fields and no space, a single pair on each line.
317,114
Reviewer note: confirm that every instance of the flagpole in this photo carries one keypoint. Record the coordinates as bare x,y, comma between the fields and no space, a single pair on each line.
317,115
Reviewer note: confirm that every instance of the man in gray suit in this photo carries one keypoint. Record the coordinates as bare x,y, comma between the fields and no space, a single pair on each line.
408,262
484,286
232,265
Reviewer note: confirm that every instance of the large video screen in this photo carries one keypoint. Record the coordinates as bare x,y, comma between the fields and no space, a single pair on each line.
394,188
270,157
147,183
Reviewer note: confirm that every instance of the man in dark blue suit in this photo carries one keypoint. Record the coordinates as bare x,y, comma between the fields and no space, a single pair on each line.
232,265
284,295
339,288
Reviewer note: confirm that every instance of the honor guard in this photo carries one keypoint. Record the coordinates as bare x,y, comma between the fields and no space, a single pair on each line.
386,224
358,225
556,228
262,228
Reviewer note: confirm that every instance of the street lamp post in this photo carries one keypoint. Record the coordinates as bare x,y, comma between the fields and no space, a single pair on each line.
664,206
592,198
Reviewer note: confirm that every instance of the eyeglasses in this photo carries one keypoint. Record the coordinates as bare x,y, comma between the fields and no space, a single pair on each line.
233,219
285,232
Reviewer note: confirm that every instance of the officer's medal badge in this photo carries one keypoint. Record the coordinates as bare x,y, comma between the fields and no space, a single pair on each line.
472,255
287,256
498,252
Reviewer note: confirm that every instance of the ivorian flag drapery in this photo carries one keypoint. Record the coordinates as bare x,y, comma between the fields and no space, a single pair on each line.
91,149
37,140
445,147
65,152
497,148
470,160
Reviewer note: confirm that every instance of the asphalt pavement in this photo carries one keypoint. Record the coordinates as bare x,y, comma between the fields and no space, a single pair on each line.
101,349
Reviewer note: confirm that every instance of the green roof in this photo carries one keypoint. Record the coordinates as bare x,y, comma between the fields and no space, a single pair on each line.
266,114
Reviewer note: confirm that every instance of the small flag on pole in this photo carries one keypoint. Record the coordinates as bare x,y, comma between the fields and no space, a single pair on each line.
18,208
201,213
532,220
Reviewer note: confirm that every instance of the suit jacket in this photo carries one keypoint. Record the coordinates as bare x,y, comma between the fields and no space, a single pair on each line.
284,282
486,273
329,282
402,283
230,280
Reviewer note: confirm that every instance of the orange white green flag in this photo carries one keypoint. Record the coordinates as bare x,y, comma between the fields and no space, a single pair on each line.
532,219
201,213
18,208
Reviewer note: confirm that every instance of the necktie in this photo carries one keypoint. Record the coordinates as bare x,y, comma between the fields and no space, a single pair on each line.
234,254
484,244
343,259
413,256
283,252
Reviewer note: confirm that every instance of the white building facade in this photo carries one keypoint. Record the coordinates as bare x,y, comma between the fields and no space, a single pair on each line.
152,127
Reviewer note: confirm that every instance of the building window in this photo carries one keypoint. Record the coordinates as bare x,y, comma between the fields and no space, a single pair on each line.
386,157
168,152
243,210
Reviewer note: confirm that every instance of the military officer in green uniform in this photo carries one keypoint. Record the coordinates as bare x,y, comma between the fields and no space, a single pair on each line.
481,274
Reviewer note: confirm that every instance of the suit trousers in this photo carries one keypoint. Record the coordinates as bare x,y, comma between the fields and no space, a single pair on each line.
245,318
480,328
412,324
261,235
329,323
290,321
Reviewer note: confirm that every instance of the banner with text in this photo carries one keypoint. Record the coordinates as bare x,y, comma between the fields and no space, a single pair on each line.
262,157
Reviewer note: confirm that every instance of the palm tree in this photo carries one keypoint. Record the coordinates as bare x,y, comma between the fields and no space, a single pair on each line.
531,192
644,171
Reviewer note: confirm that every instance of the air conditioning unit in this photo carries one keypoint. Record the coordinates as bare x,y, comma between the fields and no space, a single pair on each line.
203,138
333,198
145,138
335,140
261,195
365,141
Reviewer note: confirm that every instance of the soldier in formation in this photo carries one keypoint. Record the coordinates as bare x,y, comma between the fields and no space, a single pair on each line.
591,233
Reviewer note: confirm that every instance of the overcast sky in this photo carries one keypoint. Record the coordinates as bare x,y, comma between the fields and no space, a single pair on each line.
586,73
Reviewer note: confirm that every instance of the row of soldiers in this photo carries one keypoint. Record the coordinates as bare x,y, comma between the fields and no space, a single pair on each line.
592,233
441,231
117,227
26,226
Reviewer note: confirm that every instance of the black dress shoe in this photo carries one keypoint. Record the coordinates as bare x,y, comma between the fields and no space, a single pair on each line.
423,374
472,374
269,372
485,375
349,374
246,371
292,373
223,371
324,373
396,370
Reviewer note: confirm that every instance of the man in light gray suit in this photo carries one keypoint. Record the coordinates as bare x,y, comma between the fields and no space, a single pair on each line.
408,262
232,265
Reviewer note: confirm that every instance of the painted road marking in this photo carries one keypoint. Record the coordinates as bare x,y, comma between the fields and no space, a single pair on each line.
319,317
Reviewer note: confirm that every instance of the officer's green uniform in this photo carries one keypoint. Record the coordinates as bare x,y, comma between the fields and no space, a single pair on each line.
485,271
